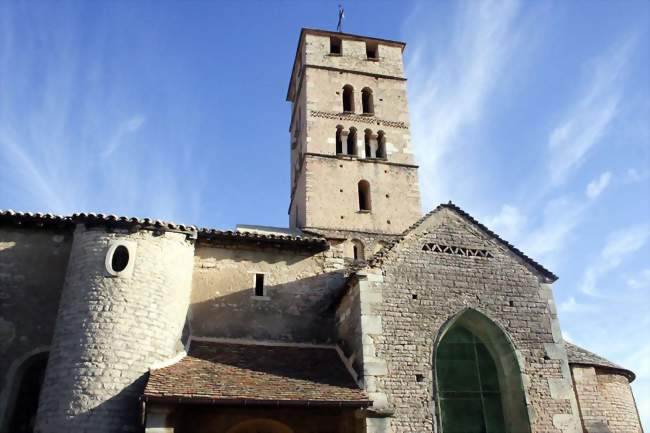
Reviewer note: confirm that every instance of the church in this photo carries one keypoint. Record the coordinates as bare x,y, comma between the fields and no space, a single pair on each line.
364,315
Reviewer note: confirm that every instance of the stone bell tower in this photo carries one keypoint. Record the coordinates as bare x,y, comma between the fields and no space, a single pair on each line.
352,166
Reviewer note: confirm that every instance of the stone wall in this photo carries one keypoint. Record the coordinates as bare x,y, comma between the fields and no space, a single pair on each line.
299,290
406,303
32,271
615,390
325,187
605,400
333,202
353,56
111,329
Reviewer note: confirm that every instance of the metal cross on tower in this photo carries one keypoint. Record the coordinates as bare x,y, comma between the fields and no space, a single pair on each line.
339,26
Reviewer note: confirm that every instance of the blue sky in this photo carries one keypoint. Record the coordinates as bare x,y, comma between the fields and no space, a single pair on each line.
532,116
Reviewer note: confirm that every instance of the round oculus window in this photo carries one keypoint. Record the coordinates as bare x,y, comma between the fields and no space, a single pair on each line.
120,259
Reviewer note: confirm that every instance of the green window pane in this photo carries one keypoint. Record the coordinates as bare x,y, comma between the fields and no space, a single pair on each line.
458,334
463,415
493,413
468,385
457,375
487,369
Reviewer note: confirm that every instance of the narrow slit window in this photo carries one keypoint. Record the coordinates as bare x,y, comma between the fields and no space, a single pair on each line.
259,284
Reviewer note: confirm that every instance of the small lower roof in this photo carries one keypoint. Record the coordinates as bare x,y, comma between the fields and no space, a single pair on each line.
249,374
579,356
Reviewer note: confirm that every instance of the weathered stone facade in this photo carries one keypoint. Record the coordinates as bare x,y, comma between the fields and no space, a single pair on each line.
139,316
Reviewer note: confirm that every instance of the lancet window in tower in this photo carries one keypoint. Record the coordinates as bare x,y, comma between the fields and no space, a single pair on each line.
381,145
364,196
352,142
339,140
367,102
348,98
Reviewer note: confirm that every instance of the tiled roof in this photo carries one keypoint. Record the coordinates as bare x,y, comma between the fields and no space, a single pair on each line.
378,258
28,219
234,373
578,355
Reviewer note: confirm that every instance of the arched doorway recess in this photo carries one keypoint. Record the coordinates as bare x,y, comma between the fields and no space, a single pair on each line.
260,426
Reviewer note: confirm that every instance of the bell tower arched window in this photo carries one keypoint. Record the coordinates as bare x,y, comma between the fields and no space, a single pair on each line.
352,142
367,102
367,146
348,99
381,145
365,203
339,140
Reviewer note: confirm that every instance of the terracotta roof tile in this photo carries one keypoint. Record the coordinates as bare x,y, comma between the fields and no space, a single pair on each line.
28,219
230,373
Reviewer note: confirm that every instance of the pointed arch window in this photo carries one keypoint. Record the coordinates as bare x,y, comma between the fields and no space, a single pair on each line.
367,102
365,204
478,379
348,98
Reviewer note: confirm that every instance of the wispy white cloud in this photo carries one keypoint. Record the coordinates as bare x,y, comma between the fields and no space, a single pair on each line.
619,246
451,85
571,305
597,186
545,239
509,222
591,115
639,281
123,130
633,175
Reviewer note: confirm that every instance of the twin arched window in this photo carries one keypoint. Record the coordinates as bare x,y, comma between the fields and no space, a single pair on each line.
367,100
374,145
346,141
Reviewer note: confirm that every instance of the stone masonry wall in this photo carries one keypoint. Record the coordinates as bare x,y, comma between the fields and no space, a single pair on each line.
111,329
299,289
333,202
592,410
353,56
620,407
32,271
405,304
